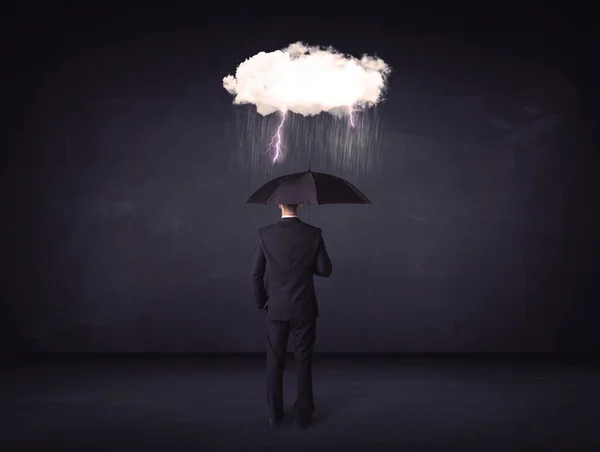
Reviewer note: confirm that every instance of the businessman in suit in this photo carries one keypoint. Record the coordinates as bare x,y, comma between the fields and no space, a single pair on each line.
289,252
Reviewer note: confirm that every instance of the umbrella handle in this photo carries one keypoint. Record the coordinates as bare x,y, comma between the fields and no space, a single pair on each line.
309,204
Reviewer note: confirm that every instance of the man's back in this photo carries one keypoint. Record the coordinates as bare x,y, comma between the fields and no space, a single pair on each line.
291,252
288,253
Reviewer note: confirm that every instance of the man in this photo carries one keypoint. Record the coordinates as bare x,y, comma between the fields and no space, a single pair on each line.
290,252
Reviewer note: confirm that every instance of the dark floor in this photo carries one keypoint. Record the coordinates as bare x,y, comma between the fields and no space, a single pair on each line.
395,403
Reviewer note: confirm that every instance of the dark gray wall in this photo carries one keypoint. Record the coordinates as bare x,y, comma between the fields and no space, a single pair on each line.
127,229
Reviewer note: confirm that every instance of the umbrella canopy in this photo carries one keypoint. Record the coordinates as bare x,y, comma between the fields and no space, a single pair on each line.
308,188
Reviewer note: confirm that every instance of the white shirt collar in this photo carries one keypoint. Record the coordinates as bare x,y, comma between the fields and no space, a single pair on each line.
289,216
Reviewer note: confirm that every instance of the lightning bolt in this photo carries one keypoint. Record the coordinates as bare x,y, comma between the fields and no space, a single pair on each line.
276,145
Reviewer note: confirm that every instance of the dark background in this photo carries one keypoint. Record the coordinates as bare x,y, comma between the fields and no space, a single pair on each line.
124,227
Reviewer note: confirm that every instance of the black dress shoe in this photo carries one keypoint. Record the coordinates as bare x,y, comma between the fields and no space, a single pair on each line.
275,423
304,422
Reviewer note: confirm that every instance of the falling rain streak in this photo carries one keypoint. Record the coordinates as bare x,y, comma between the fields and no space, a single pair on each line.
330,143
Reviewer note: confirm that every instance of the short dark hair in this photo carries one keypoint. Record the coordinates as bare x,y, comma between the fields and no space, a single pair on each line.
292,207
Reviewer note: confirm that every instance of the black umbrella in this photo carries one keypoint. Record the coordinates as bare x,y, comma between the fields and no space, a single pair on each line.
308,188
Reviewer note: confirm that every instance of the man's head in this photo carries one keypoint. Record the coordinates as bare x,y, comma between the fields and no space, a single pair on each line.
289,209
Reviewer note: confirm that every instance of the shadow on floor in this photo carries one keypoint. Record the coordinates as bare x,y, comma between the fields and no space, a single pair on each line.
327,407
331,406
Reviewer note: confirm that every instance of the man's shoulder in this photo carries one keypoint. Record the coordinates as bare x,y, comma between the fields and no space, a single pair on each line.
312,228
267,228
264,229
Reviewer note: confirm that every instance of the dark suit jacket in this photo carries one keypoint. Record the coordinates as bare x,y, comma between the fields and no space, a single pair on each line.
290,252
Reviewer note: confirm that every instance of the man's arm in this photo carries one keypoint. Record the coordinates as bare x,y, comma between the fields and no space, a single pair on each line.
323,265
259,264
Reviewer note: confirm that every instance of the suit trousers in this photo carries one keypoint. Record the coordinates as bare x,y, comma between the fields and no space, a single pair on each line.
304,334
